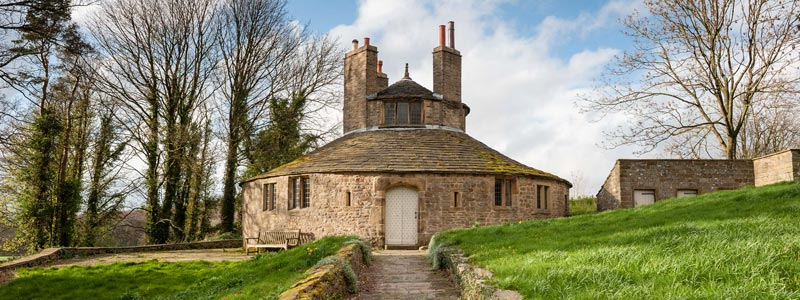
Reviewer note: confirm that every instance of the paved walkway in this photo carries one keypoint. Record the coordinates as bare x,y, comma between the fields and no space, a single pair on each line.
404,274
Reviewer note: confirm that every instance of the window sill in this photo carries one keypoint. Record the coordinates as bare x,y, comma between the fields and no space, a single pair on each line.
403,126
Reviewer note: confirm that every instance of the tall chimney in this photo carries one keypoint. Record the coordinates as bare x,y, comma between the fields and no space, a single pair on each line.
361,78
441,35
452,34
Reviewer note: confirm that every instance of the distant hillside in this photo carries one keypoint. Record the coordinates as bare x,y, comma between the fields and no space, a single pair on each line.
742,244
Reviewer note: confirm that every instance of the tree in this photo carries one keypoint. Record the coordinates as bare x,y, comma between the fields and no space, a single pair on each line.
697,71
294,117
160,57
257,40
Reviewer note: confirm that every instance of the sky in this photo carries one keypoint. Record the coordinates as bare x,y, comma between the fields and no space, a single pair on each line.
525,65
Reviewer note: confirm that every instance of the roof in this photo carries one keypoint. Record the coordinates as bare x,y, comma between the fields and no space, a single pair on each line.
405,88
422,150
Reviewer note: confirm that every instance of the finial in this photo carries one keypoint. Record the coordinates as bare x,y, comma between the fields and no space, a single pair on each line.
406,76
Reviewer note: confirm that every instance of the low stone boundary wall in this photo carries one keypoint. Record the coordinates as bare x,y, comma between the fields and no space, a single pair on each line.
52,254
471,279
328,281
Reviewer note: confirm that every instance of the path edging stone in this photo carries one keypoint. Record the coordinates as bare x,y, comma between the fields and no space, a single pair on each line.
471,279
328,281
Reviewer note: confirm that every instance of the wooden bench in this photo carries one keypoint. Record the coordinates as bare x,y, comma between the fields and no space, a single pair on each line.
273,240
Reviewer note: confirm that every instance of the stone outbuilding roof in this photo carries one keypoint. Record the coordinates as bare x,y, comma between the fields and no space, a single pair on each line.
422,150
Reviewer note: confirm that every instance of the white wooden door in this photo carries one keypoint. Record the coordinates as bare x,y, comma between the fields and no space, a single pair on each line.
644,197
687,193
401,216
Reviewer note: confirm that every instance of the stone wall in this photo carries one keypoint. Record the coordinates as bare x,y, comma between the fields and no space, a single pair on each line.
447,73
327,281
471,279
777,167
667,176
609,196
329,214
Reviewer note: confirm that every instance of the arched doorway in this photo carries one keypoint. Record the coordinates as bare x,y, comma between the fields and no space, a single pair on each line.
402,205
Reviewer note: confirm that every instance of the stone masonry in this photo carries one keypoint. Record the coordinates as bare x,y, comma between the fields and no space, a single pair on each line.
329,214
777,167
667,176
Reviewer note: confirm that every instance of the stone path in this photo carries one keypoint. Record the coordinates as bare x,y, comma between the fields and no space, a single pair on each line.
404,274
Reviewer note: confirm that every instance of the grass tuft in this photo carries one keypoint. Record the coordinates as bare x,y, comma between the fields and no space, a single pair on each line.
742,244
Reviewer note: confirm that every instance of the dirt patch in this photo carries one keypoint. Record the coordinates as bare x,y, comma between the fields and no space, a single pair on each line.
211,255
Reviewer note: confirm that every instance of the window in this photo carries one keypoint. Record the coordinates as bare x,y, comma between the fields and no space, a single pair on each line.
687,193
300,192
498,192
269,196
306,193
542,196
456,199
265,202
503,192
348,199
402,113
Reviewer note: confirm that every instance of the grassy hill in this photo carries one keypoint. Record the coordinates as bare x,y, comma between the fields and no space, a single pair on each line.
742,244
263,277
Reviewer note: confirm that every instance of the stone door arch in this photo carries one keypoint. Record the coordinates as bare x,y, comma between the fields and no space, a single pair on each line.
402,217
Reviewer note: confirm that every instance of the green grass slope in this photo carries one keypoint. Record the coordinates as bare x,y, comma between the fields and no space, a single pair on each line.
263,277
742,244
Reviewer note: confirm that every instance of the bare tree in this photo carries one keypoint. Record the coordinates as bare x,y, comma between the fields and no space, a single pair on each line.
159,59
256,40
698,69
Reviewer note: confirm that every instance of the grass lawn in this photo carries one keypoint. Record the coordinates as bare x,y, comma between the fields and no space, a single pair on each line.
742,244
264,277
582,206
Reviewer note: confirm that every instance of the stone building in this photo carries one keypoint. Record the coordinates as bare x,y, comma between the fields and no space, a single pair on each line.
404,168
636,182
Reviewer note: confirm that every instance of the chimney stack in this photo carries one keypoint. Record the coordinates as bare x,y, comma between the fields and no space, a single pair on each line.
447,67
361,78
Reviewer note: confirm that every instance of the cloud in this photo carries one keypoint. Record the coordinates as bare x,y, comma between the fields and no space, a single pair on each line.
522,94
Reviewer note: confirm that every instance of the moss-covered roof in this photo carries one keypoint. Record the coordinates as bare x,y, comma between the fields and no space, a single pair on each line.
421,150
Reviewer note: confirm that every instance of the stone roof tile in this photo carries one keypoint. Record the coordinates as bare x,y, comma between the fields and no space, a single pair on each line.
407,151
405,88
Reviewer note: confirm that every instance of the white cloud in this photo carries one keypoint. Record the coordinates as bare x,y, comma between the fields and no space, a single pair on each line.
522,95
